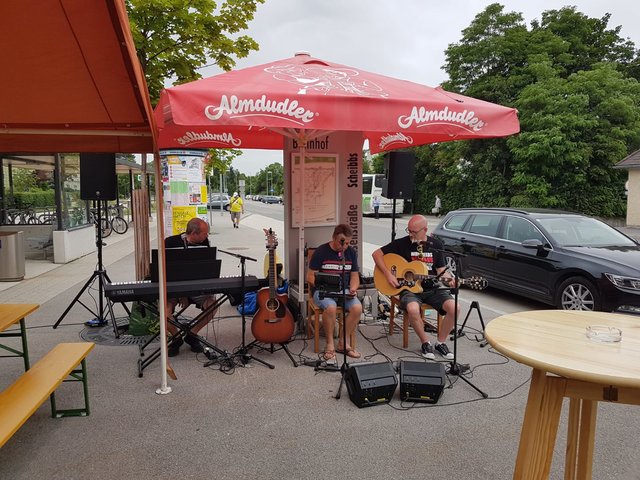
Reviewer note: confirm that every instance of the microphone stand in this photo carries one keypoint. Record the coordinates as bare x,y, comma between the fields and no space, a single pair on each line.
243,350
344,282
455,368
393,221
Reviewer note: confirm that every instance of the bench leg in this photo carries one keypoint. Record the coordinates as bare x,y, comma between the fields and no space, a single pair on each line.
79,375
25,347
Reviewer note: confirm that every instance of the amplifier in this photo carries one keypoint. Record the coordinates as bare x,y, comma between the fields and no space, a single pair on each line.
370,383
421,381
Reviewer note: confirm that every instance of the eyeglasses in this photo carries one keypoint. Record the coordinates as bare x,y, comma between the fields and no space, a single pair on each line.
416,232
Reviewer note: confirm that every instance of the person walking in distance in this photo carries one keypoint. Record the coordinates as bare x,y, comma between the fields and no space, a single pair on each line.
437,206
236,208
376,206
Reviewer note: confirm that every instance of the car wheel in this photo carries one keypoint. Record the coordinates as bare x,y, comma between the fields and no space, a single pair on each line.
226,207
578,293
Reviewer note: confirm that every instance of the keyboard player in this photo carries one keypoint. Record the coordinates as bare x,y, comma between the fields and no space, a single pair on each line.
196,235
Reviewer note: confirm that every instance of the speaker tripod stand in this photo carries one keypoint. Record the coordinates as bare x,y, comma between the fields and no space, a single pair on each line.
99,274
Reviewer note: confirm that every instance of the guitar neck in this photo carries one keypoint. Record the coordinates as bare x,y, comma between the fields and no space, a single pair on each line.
272,273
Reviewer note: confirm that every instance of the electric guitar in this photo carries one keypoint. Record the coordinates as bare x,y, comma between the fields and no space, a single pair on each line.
411,274
273,322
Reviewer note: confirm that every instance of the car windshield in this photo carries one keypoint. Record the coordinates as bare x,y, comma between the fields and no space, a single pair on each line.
583,232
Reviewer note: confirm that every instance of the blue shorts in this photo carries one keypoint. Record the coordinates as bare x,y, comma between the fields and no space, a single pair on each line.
327,302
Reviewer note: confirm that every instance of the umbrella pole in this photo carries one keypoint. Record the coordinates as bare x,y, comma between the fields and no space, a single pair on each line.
301,244
162,297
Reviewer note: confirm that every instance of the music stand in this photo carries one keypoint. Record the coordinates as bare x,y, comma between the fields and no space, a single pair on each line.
327,285
101,274
243,351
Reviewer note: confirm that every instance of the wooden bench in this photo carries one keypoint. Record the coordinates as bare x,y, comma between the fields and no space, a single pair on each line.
21,399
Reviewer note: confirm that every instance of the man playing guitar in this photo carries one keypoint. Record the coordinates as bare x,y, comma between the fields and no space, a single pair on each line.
418,247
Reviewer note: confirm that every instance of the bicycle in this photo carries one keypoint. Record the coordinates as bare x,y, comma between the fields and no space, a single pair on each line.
48,217
22,216
118,224
105,225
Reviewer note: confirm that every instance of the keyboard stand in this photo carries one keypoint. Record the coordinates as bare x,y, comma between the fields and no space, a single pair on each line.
183,330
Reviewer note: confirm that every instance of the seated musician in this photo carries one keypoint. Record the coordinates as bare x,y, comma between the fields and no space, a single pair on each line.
197,235
417,246
328,258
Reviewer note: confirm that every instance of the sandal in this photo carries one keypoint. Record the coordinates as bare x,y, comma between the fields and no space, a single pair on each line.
328,355
350,352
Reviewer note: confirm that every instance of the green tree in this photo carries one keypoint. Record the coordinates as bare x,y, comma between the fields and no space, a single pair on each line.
569,77
174,38
218,162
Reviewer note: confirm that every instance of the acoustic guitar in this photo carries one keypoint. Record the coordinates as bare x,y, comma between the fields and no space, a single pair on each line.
273,321
411,274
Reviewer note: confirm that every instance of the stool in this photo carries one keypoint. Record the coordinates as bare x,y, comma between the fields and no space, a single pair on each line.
395,302
316,311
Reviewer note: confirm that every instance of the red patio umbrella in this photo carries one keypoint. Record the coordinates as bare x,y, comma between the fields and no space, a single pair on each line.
304,97
254,107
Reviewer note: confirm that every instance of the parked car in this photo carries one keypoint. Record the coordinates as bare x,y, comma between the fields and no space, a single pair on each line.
271,199
572,261
214,201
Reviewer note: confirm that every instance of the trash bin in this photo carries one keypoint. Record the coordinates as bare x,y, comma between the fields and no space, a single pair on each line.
11,257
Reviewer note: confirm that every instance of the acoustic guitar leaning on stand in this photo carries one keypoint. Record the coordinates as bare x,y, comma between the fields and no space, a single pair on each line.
273,321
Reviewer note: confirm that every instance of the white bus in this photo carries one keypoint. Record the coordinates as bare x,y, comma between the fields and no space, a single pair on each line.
372,186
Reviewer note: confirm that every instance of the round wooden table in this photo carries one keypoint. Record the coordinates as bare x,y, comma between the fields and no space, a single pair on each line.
566,363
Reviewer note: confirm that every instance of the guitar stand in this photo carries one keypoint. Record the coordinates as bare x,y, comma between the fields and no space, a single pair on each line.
272,349
460,333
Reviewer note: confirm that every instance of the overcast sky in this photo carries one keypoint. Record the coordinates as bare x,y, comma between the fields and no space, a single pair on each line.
404,39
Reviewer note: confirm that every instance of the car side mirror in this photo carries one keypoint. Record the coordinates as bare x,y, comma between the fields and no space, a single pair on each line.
534,244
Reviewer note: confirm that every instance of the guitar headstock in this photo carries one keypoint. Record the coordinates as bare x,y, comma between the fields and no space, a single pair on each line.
476,283
272,239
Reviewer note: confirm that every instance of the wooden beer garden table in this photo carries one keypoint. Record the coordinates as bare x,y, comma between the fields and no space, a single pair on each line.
566,363
10,314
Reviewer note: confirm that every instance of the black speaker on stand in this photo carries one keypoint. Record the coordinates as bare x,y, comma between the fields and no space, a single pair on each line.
399,170
98,182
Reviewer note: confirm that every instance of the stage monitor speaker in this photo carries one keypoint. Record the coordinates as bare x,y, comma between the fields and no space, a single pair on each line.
98,176
421,381
399,169
370,384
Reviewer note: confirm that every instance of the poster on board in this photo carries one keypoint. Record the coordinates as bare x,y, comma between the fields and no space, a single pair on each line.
320,189
184,188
